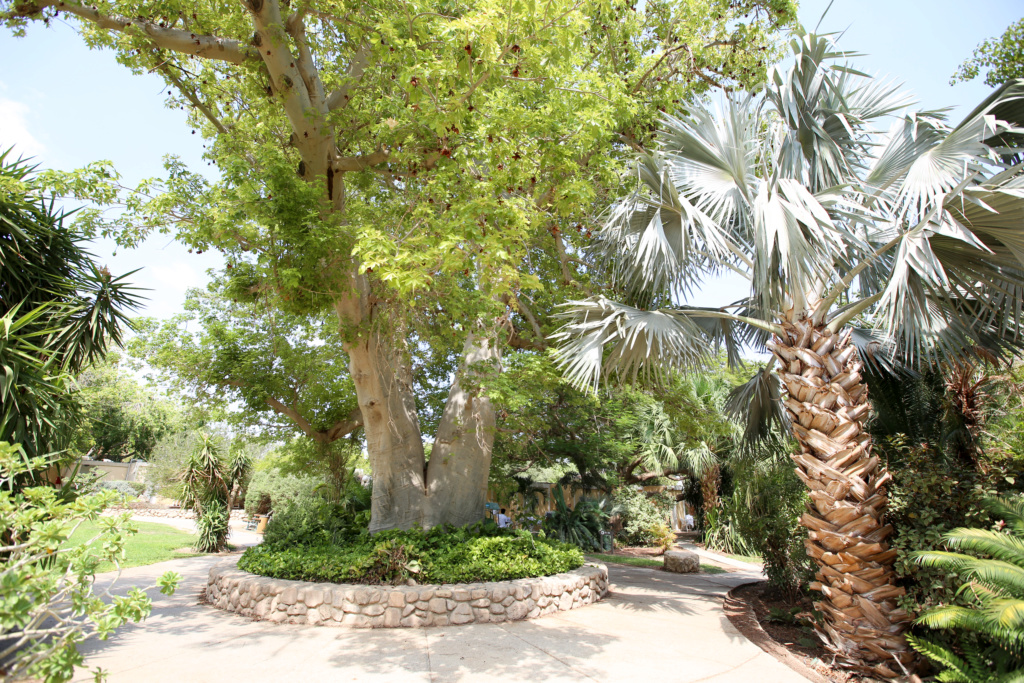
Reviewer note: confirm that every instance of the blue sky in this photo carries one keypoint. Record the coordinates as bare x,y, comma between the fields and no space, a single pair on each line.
67,106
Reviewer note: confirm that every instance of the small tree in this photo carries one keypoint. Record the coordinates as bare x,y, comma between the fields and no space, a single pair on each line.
48,601
205,490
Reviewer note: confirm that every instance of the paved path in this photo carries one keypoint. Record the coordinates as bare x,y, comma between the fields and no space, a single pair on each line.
653,627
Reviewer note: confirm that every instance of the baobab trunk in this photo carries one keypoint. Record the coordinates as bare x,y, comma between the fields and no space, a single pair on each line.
828,406
407,492
460,461
394,444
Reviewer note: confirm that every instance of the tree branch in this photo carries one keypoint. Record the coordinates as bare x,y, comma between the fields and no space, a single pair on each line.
360,163
339,99
191,96
176,40
296,27
345,427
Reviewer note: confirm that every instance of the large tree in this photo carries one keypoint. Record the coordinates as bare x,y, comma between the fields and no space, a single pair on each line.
381,157
908,244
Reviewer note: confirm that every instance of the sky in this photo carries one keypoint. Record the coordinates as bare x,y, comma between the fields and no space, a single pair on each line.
66,106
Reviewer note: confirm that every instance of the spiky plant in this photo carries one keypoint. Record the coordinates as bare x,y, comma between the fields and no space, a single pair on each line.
858,246
996,584
205,491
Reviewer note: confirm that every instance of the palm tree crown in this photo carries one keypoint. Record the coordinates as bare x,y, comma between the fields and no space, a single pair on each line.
860,245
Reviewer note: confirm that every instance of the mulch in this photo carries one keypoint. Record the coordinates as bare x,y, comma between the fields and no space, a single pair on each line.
794,644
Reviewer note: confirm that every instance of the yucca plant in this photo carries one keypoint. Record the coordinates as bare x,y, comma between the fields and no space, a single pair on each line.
205,490
993,651
859,246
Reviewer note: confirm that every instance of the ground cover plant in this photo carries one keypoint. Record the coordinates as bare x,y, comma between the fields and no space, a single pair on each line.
442,555
151,543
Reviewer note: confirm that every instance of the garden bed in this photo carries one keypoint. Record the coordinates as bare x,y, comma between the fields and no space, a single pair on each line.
385,606
773,625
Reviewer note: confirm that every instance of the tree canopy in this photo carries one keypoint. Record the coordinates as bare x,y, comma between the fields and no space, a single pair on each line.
1002,58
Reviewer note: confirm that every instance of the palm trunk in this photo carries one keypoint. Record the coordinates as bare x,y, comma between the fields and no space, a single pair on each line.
709,482
828,406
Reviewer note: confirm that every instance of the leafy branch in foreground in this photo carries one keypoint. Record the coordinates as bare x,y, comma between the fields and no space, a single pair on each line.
48,597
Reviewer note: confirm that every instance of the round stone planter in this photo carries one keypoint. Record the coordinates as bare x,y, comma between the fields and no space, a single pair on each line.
360,606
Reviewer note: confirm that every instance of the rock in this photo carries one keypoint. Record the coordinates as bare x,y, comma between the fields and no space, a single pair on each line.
408,609
461,595
478,593
438,605
517,611
565,602
393,617
682,561
374,610
499,593
396,599
481,602
314,598
462,614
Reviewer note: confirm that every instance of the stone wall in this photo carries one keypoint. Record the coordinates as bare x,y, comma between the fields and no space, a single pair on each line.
167,513
359,606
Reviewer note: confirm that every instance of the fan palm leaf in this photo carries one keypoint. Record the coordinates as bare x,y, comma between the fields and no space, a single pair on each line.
864,243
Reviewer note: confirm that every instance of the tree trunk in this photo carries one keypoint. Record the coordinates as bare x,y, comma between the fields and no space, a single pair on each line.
709,491
406,493
828,405
460,461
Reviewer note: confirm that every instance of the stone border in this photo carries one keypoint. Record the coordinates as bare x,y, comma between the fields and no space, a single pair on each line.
361,606
741,613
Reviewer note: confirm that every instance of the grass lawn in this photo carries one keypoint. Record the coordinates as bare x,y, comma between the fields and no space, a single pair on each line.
753,559
648,562
154,543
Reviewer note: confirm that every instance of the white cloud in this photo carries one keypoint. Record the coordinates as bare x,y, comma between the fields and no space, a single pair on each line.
14,130
178,276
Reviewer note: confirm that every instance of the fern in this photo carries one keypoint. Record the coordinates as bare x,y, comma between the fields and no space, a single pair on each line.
990,633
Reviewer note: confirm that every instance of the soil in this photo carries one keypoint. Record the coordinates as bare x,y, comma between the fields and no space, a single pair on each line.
792,641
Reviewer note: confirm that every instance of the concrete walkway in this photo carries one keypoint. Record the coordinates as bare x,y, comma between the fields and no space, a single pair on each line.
653,627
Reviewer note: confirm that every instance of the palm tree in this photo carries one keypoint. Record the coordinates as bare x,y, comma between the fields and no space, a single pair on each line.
859,246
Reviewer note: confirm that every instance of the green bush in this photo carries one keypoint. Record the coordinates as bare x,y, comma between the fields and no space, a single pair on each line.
930,496
641,515
989,633
581,525
271,490
316,522
767,501
132,489
479,553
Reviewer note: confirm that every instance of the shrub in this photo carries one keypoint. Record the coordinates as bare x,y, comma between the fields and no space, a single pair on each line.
581,525
479,553
315,522
271,490
640,514
989,632
48,601
132,489
930,496
205,489
766,504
